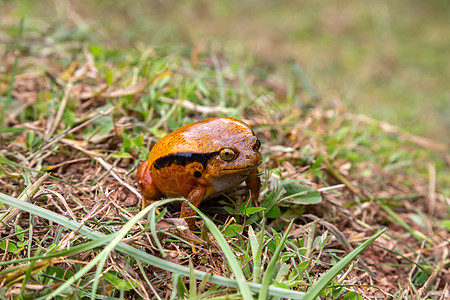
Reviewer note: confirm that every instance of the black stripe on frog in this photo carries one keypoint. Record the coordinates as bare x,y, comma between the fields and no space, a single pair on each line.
183,158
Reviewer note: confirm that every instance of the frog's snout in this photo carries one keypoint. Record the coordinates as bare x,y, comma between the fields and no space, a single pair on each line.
255,158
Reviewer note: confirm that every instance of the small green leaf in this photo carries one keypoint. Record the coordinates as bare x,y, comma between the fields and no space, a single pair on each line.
126,143
121,155
157,132
118,283
446,223
366,172
96,50
109,76
11,246
318,163
20,244
233,230
139,141
253,210
248,210
299,193
336,291
352,296
69,117
30,138
104,125
21,235
229,210
302,266
274,212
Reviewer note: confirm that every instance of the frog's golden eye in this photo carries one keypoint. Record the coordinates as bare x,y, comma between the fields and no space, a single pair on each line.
257,145
227,154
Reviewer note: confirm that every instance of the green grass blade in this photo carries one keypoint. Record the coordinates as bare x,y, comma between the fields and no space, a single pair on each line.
416,234
141,255
152,222
28,274
100,259
268,274
69,252
234,264
256,253
192,280
175,280
323,281
14,68
203,284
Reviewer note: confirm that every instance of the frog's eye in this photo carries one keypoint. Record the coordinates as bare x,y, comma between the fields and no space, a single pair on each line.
227,154
257,145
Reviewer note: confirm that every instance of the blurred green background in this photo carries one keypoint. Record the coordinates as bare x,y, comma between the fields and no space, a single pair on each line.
387,59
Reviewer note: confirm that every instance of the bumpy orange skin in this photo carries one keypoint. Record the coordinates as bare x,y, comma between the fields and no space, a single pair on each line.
201,160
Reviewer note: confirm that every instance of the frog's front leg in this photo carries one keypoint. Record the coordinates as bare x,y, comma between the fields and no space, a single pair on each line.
149,190
254,185
195,197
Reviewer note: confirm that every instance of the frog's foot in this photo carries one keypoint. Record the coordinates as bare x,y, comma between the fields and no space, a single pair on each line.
254,186
147,202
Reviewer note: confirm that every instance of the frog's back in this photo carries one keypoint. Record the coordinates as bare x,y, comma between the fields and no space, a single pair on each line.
204,137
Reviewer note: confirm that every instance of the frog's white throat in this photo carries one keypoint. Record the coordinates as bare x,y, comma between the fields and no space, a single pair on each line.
229,181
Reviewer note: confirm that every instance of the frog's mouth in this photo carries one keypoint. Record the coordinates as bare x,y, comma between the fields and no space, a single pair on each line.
239,169
244,170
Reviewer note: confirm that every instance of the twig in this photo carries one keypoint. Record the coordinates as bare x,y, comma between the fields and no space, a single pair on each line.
64,202
444,292
107,166
77,145
68,162
110,168
411,272
333,187
339,177
61,109
88,122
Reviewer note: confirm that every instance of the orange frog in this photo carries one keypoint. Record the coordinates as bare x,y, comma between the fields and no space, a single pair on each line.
202,160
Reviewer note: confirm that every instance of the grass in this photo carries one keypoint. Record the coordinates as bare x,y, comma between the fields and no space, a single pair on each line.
382,59
350,208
